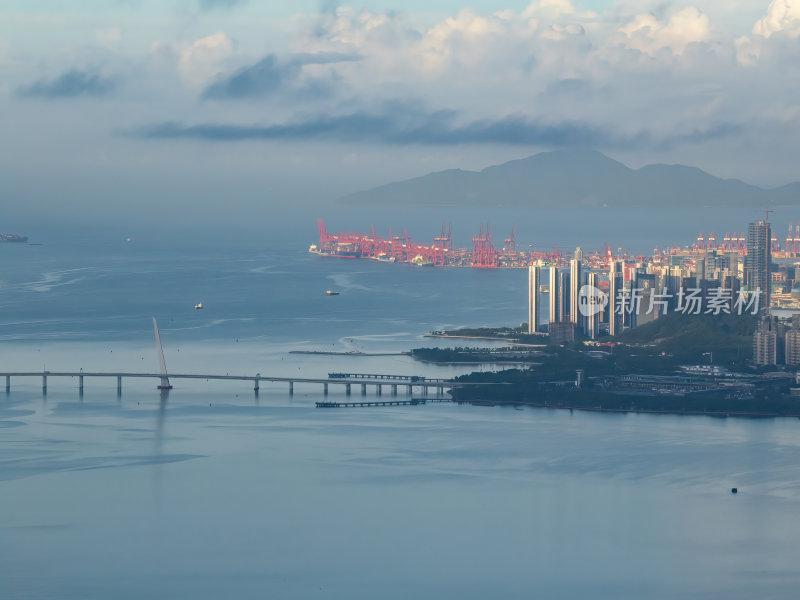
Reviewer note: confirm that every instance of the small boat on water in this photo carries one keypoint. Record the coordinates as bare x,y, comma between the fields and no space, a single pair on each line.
331,293
198,306
12,237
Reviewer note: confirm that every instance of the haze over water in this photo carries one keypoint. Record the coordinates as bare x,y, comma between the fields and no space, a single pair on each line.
219,493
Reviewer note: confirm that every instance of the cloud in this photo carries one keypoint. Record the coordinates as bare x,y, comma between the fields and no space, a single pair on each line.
649,35
215,4
270,74
436,128
774,35
782,15
204,58
72,84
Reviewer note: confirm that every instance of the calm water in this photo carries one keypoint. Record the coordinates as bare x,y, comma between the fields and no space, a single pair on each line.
218,493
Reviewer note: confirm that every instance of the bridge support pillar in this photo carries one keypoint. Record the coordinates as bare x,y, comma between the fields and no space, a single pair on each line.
363,389
440,391
255,386
394,389
8,384
325,388
424,390
119,385
291,388
347,389
80,384
44,384
410,390
379,389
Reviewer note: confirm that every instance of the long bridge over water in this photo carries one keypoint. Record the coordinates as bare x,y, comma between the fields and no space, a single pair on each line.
348,380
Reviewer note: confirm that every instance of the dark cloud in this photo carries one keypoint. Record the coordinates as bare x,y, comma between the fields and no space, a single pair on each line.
270,75
71,84
396,128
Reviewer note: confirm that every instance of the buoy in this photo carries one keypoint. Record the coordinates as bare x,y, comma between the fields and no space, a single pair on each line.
734,490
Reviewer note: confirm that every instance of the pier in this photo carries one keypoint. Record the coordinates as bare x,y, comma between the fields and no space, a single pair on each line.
377,381
410,402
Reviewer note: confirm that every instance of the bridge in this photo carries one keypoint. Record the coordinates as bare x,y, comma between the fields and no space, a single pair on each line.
378,381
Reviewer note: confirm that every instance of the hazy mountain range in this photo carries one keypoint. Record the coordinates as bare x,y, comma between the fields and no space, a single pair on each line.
577,178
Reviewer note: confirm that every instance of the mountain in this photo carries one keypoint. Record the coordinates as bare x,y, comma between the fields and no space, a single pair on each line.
576,178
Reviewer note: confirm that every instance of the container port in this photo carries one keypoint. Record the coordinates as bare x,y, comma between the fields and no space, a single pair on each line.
440,252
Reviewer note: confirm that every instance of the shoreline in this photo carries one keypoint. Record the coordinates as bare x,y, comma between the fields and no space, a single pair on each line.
739,414
348,353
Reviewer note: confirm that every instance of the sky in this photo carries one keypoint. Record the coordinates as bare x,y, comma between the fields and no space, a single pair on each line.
123,107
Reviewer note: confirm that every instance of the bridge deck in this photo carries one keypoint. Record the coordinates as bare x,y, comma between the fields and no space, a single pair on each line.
254,378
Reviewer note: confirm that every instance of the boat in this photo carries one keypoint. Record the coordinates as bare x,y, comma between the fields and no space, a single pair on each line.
12,237
198,306
331,293
421,261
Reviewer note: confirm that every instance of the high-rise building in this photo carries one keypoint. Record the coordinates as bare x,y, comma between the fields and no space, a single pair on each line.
642,288
793,342
765,343
575,284
533,299
615,280
563,295
554,315
758,261
593,320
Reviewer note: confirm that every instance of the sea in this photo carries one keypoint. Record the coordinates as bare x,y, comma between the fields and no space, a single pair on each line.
215,491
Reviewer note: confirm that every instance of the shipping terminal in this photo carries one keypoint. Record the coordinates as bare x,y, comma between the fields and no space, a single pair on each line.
441,253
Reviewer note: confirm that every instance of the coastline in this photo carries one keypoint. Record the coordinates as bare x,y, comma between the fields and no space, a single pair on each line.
723,414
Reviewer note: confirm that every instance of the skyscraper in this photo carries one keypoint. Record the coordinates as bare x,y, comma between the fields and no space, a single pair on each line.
758,260
593,320
533,299
563,295
614,289
554,315
575,283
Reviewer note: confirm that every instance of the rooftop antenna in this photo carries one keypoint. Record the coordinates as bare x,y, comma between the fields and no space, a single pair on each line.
164,379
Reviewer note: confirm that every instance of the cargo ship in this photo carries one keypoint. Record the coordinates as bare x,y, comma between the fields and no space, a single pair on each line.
12,237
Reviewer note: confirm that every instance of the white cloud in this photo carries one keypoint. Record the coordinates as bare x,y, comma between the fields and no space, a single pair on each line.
782,15
649,35
203,59
465,38
549,9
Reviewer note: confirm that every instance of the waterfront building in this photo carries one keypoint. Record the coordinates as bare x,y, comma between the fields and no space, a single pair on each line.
576,281
758,261
615,282
563,295
642,311
554,304
593,320
533,299
765,343
792,343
